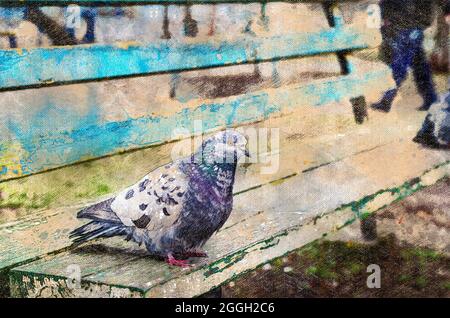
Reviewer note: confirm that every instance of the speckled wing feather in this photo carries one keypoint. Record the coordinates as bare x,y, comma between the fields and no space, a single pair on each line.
155,201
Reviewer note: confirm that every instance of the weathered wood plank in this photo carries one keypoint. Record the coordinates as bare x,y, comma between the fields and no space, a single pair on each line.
320,136
43,66
309,130
275,219
305,144
31,234
53,136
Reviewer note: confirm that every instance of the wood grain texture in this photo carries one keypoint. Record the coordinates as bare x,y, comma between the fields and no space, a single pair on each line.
308,130
52,135
44,66
282,216
329,140
36,233
46,129
323,183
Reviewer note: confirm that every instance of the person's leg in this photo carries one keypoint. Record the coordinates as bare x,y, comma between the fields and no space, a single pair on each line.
12,41
89,16
401,59
423,76
440,57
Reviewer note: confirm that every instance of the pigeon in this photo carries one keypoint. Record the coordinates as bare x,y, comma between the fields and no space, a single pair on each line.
176,208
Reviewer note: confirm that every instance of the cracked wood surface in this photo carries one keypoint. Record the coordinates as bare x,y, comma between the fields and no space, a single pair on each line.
95,119
66,64
332,137
86,122
320,136
268,222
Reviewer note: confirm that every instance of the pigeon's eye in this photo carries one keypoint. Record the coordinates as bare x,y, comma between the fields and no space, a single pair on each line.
230,142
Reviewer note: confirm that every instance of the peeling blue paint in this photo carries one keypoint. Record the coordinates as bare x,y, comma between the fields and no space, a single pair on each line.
39,66
54,136
4,170
50,134
51,143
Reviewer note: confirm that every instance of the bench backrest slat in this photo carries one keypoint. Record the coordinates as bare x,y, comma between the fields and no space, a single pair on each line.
41,66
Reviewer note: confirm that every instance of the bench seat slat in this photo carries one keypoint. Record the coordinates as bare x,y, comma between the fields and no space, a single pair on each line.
42,66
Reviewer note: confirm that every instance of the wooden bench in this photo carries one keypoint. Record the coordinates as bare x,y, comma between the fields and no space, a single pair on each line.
304,201
59,116
50,83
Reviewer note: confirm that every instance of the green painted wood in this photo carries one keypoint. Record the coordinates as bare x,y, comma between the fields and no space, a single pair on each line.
56,65
282,216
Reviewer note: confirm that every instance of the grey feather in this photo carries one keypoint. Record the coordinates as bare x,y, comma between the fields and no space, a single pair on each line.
101,212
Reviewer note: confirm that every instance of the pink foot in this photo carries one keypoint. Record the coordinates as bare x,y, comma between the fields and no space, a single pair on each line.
177,262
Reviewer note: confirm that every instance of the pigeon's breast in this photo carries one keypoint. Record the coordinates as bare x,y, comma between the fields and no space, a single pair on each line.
201,216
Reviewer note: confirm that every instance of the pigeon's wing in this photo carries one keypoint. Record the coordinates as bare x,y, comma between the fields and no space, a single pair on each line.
155,202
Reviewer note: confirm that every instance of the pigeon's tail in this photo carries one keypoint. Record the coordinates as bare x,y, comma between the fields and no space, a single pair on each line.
97,229
99,212
105,223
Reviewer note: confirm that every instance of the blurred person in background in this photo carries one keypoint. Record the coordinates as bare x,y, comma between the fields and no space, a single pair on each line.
10,19
404,22
89,14
441,53
435,131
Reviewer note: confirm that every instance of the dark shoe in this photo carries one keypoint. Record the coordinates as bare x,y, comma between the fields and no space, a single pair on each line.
386,102
427,103
425,107
381,107
427,140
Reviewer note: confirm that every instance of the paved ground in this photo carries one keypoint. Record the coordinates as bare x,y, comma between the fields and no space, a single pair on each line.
422,220
412,251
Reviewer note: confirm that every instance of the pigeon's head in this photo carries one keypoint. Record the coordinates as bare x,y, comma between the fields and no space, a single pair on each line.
224,147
